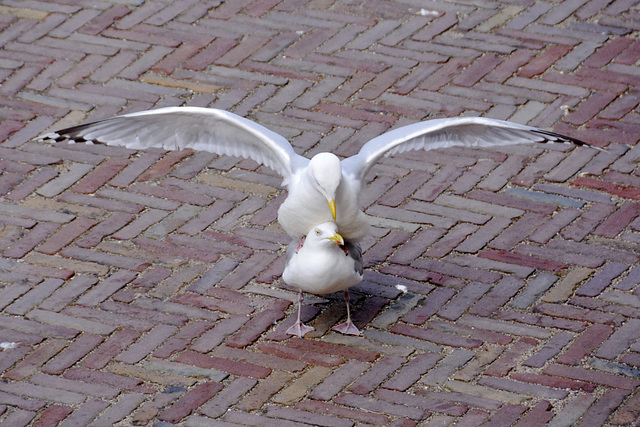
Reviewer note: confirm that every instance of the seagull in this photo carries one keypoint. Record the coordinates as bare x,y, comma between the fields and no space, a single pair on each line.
323,263
321,189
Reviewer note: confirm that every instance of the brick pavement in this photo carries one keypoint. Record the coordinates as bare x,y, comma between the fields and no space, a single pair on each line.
142,288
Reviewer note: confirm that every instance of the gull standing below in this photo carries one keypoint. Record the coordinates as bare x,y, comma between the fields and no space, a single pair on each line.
323,263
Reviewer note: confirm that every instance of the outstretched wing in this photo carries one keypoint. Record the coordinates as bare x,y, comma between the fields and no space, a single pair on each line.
442,133
202,129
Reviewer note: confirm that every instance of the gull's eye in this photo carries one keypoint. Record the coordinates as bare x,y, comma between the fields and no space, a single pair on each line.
318,232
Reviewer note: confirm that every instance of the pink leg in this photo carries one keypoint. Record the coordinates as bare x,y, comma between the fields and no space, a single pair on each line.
299,328
347,328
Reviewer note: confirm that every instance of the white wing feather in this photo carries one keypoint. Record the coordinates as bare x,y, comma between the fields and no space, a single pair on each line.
442,133
201,129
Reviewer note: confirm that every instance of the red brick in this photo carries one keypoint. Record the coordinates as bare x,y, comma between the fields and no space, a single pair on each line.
415,246
543,61
108,226
376,375
463,300
296,415
255,327
36,235
230,307
569,312
628,412
142,314
177,194
100,202
470,331
498,296
34,360
210,54
430,306
336,382
72,354
508,360
538,415
594,83
619,220
620,340
248,270
452,270
602,280
371,307
523,260
440,25
266,360
587,222
551,228
590,107
235,368
509,66
380,406
473,417
100,377
592,376
591,339
306,356
66,235
101,175
539,208
118,342
601,410
164,165
608,76
342,412
412,371
540,320
8,181
104,20
180,342
147,344
476,71
554,382
135,169
420,402
34,297
506,415
438,183
630,55
190,402
53,415
436,337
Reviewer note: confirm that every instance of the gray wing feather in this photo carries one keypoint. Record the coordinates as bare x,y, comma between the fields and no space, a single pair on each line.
442,133
354,251
201,129
291,251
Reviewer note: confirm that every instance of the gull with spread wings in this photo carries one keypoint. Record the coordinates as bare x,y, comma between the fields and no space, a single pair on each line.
323,189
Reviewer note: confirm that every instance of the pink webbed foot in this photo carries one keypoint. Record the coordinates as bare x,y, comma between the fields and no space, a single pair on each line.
347,328
299,329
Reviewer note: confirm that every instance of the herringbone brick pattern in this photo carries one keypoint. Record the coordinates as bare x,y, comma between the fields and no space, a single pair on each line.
143,288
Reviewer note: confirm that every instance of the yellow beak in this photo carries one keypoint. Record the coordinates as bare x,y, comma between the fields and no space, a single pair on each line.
337,239
332,207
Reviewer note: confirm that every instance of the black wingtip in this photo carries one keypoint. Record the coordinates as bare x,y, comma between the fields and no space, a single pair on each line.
72,134
557,137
